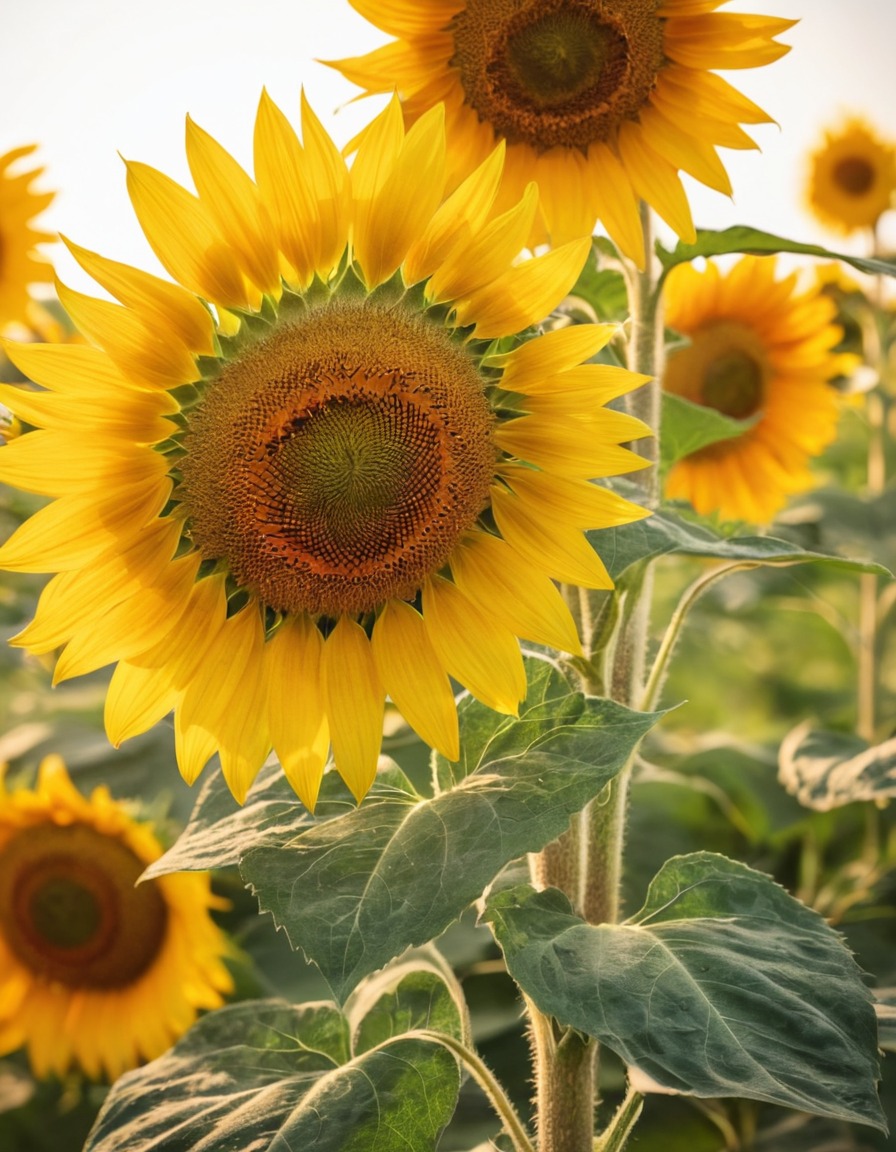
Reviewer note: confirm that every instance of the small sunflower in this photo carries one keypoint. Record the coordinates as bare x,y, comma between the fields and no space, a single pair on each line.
19,265
601,101
852,178
757,347
358,482
96,970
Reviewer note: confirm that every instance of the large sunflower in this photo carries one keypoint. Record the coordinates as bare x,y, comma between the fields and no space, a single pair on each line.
20,266
357,484
96,970
600,101
852,178
758,347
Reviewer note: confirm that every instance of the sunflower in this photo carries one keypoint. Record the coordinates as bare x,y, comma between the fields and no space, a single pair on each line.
96,970
852,178
600,101
19,265
358,481
758,347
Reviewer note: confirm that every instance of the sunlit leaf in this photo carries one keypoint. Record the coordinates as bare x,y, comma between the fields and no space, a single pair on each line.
688,427
721,985
753,241
826,770
267,1075
355,891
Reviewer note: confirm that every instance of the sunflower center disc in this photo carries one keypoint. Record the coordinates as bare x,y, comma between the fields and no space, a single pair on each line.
335,464
70,910
854,175
554,73
732,384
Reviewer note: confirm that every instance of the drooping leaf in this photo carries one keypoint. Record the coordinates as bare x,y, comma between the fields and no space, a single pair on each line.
721,985
357,890
403,998
753,241
688,427
268,1075
220,831
666,532
826,770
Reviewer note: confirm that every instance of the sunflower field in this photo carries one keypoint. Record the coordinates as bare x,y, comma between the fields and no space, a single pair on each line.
448,665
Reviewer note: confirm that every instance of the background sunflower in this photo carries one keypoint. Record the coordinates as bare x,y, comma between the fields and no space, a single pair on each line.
602,104
852,179
20,265
96,972
761,351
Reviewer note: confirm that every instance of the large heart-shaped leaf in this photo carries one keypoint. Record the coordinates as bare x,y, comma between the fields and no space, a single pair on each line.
826,770
357,890
721,985
267,1075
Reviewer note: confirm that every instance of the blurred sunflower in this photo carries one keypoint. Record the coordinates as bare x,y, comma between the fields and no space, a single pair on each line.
601,102
852,178
757,347
19,265
96,970
359,484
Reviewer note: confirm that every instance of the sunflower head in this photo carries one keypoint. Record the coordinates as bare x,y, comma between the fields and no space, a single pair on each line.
852,177
96,970
757,347
20,265
602,103
337,462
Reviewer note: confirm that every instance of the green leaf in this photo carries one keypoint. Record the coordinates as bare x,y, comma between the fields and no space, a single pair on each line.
357,890
404,998
266,1075
721,985
751,240
220,831
688,427
666,532
826,770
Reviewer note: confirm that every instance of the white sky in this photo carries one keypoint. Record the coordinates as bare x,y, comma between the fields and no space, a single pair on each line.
90,78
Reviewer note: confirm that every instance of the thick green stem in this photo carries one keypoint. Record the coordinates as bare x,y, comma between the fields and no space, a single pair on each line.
565,1065
586,862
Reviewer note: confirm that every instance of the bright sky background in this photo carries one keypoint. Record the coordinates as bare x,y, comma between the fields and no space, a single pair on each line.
87,79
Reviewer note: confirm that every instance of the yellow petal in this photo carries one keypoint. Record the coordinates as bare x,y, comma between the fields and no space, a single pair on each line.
133,625
299,730
414,677
571,447
656,181
403,203
168,306
184,237
355,703
144,690
149,358
76,530
557,549
587,387
573,502
74,600
62,463
554,352
464,213
75,369
377,152
525,294
134,417
233,202
476,650
222,707
474,263
329,180
525,600
617,204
